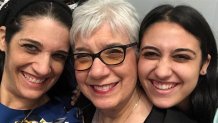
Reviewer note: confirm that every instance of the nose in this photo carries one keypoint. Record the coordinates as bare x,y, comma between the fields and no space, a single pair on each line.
163,69
42,65
98,69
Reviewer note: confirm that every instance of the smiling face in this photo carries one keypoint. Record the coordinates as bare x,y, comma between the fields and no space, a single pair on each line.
169,64
107,86
34,58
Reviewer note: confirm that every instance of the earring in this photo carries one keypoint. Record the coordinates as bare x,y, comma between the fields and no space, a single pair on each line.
203,72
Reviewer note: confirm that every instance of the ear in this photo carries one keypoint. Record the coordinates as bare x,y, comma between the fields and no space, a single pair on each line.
205,65
2,38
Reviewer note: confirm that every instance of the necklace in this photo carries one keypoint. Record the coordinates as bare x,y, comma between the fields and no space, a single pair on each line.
134,107
25,118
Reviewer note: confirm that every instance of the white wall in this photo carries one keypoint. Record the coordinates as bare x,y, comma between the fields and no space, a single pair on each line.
208,8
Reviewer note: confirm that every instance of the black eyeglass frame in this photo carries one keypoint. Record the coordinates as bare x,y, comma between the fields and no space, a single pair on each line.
97,55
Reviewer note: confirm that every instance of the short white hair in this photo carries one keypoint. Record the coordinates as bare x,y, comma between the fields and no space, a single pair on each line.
119,14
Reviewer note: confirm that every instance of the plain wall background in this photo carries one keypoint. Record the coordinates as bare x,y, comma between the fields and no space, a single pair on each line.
208,8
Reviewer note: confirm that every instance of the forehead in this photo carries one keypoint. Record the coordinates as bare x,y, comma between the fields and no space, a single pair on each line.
167,34
102,36
45,30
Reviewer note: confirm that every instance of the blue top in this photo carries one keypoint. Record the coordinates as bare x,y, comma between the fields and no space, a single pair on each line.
53,111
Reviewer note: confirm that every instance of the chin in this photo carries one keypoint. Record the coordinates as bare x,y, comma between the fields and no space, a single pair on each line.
163,104
33,95
103,105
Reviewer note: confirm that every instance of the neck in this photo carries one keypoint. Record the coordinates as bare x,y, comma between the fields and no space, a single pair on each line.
13,101
135,109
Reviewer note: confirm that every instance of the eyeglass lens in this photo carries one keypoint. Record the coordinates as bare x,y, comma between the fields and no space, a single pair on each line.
110,56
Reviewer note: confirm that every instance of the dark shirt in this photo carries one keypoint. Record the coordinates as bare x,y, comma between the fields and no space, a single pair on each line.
167,116
156,115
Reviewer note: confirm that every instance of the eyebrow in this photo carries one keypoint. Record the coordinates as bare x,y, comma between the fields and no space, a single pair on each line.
80,49
113,44
105,47
185,49
149,47
37,43
62,52
177,50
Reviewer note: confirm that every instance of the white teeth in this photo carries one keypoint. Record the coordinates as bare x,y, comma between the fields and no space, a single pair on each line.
163,86
104,87
33,79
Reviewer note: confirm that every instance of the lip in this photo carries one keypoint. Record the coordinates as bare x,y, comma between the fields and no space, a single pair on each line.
104,89
164,88
32,81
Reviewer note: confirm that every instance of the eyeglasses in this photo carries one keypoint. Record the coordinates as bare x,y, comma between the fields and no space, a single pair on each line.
109,56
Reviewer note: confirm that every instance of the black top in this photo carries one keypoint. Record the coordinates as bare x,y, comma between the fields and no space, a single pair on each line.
167,116
156,115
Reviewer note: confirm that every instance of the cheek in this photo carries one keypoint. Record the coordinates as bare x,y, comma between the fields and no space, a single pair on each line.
189,77
129,66
142,73
57,68
128,71
144,67
13,62
80,77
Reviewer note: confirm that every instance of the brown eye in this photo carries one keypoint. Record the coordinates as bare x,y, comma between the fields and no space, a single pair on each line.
59,56
152,55
81,56
30,48
113,53
182,57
